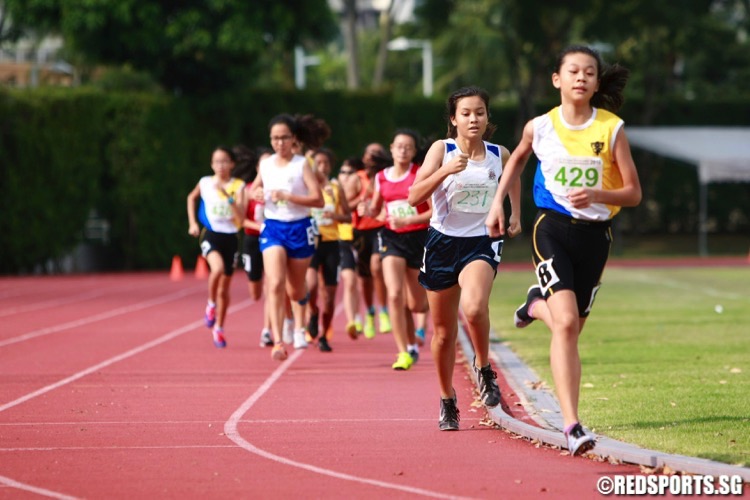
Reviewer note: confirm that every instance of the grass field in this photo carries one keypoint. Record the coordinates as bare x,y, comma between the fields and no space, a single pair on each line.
665,354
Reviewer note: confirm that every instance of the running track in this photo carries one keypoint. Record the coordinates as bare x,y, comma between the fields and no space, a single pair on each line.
111,388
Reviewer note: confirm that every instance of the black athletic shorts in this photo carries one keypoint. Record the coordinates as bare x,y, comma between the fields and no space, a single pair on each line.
252,257
365,243
224,243
348,260
570,254
327,256
409,246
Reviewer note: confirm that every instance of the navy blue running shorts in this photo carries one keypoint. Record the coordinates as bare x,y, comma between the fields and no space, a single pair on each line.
446,256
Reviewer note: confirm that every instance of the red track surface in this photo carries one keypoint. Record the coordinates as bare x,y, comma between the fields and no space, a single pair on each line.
111,388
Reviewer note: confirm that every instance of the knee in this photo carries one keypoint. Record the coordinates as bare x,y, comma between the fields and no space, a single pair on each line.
475,312
567,324
395,296
256,293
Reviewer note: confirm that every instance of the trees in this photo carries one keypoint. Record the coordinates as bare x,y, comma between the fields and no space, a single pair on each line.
686,48
191,46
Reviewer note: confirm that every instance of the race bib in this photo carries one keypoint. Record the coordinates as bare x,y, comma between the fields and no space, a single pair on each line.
400,209
320,219
475,198
574,172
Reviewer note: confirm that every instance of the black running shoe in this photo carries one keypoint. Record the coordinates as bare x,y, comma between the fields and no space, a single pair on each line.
578,441
449,414
312,326
488,389
521,317
323,345
414,354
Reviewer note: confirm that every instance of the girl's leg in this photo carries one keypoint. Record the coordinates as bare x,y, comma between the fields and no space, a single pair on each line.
560,313
416,303
381,291
311,319
351,300
475,281
367,287
476,284
255,289
216,271
394,270
444,311
222,300
296,289
274,264
329,306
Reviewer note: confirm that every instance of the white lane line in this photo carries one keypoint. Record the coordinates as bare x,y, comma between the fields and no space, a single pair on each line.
97,448
49,303
33,489
230,429
64,300
116,359
681,285
204,422
98,317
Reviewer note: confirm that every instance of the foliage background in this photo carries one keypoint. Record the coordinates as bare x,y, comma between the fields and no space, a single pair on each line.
163,82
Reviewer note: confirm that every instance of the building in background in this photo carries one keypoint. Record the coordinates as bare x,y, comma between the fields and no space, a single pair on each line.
31,62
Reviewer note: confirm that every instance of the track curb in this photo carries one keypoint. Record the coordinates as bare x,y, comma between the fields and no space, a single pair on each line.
542,407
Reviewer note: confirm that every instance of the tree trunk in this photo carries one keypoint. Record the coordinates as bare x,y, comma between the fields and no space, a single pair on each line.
350,43
386,23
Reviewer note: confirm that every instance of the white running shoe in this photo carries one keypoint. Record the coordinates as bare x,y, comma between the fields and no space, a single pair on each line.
578,441
287,331
265,339
299,339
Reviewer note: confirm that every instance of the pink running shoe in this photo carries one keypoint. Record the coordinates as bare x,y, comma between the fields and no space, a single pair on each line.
218,335
210,315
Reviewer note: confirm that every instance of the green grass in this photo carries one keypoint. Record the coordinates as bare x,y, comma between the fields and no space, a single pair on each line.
662,369
632,246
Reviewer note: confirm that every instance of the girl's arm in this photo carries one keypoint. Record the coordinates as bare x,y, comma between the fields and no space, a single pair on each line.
192,198
343,213
256,189
432,172
424,217
375,205
314,196
514,192
510,179
239,205
352,188
629,195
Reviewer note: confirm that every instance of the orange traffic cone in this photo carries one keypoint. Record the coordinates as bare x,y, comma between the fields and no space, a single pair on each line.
176,273
201,268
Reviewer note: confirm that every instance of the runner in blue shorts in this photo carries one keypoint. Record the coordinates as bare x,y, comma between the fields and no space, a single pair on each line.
461,173
288,187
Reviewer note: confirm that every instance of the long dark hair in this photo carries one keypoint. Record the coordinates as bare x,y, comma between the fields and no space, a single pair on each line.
453,102
246,163
612,78
312,132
